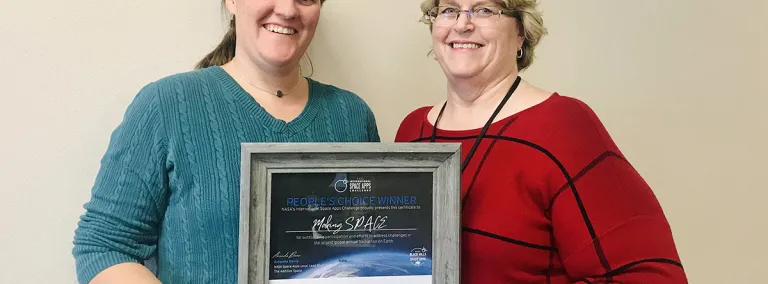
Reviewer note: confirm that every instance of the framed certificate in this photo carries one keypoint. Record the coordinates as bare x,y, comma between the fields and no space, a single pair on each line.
348,213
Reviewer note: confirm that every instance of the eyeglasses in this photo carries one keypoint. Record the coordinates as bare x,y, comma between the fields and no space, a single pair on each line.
481,16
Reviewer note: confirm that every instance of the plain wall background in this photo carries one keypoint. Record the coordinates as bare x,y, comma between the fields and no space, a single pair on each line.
679,84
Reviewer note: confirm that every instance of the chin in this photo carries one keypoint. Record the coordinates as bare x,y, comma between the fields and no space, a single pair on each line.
462,71
462,64
277,55
279,49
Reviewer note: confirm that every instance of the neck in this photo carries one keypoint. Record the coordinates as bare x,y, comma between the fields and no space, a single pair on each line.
473,97
283,79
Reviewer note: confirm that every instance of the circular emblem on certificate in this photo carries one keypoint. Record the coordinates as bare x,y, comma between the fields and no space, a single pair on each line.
340,185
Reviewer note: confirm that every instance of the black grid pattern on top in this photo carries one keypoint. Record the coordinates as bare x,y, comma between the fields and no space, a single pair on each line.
569,184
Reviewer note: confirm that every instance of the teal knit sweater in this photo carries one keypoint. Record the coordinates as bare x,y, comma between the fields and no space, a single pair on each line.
168,186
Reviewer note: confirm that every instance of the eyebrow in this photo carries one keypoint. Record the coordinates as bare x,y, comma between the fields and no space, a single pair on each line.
481,3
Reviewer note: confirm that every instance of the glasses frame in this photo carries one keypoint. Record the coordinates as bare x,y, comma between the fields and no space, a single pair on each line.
429,18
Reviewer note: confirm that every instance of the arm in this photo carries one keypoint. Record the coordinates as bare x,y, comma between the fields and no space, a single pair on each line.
608,225
120,226
632,241
359,116
125,273
373,130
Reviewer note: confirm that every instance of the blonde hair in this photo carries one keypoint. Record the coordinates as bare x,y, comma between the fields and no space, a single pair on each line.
225,51
529,20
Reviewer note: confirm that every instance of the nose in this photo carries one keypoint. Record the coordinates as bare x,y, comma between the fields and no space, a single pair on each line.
463,24
286,8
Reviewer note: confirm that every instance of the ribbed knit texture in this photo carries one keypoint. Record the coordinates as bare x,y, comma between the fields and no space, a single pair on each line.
168,186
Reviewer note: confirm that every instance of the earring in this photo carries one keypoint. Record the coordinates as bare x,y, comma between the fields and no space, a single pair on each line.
520,53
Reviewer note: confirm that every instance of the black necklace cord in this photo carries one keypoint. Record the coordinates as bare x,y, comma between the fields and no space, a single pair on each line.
485,127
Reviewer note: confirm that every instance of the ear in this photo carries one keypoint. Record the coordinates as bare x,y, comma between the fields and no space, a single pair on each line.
520,34
231,7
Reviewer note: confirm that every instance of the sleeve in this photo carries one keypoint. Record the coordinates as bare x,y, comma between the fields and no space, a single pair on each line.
359,116
607,223
372,128
122,218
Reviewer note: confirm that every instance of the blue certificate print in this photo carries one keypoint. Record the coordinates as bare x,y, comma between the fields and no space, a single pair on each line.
350,226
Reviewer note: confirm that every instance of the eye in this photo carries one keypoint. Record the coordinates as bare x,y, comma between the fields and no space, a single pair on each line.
447,10
307,2
484,11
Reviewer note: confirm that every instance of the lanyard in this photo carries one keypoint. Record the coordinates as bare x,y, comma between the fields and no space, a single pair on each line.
485,128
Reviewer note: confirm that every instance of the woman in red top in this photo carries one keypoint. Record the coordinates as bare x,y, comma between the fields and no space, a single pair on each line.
547,197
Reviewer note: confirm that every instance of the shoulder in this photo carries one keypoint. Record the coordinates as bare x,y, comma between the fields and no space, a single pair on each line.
564,110
188,82
159,96
179,86
568,127
410,127
575,118
334,93
337,97
415,117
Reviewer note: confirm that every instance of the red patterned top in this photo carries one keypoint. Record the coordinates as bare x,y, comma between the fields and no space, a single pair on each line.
547,197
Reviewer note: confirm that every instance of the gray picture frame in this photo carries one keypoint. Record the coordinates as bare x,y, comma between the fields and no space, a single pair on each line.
259,160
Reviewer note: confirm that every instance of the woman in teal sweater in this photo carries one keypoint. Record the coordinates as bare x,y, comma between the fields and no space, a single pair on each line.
168,186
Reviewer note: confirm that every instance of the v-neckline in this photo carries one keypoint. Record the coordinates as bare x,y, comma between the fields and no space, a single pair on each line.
250,104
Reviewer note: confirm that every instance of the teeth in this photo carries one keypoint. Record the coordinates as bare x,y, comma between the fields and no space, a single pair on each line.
280,30
466,45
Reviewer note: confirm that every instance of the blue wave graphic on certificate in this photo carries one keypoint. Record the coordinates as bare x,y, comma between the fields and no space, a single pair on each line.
370,264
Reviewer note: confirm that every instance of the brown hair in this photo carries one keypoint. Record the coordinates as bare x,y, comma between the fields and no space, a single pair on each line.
225,51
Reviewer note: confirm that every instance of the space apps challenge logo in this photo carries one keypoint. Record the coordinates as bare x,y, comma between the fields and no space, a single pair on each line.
355,185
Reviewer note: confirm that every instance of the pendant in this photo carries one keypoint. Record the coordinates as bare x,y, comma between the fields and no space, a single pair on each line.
279,94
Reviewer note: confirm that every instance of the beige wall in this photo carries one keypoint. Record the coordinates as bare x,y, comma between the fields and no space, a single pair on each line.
68,69
688,116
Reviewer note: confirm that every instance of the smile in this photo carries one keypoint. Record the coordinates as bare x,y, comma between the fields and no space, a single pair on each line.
280,29
465,45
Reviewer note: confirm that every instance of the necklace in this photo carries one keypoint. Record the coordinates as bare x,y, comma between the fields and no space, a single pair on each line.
485,127
279,93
